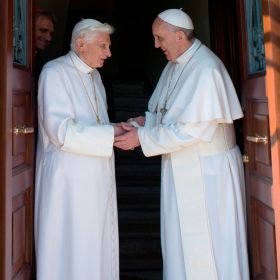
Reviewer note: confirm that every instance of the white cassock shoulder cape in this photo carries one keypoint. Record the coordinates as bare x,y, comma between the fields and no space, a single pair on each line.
202,172
76,232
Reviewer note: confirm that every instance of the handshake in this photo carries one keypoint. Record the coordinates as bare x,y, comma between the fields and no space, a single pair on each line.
126,133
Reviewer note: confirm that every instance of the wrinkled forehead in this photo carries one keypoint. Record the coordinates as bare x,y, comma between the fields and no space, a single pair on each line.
97,37
103,37
157,22
160,27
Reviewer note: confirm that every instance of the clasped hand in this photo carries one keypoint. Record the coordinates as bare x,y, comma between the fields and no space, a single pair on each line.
126,135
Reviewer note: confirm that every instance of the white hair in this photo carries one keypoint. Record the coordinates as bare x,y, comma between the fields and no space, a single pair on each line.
189,33
86,29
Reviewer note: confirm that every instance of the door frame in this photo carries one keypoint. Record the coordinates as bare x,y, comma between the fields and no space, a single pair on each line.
271,11
7,178
5,144
224,28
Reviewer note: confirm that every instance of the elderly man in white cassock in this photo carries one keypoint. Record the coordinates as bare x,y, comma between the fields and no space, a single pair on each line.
190,123
76,230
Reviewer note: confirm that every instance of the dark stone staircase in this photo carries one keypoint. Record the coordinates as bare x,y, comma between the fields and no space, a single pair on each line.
138,187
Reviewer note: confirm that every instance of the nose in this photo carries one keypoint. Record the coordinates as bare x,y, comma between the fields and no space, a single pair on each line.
108,52
48,37
157,44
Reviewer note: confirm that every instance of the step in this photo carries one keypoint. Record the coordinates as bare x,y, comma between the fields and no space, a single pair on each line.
123,116
135,216
135,155
126,179
144,262
138,192
132,87
142,254
131,103
143,246
141,275
144,230
136,169
141,261
138,197
134,182
139,217
133,168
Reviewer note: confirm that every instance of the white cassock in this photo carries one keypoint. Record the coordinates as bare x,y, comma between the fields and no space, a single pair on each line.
203,225
76,230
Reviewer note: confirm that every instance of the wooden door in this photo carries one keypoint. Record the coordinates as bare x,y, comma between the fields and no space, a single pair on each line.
234,28
260,141
17,140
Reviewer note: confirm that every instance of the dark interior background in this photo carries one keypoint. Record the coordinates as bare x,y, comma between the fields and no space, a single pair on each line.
133,52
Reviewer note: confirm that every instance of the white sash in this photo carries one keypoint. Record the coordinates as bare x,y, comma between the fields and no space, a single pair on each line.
193,213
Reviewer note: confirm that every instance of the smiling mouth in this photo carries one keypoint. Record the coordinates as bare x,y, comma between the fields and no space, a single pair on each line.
44,43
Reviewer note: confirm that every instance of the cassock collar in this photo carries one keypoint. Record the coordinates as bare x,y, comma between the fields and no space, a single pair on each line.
187,55
83,67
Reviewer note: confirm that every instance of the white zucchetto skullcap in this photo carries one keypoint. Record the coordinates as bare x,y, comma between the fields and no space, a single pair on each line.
177,18
87,23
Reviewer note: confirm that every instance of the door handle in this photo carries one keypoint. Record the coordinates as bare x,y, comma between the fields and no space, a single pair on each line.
22,130
245,159
258,139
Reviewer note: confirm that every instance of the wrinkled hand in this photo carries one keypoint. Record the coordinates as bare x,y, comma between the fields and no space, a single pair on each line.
140,120
118,129
128,140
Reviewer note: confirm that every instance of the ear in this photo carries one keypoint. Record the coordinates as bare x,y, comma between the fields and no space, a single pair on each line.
80,45
180,35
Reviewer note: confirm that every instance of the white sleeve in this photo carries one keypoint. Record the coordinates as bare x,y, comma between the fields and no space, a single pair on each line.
150,119
165,139
57,120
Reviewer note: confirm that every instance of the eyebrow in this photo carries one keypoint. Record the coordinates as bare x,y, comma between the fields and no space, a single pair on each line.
45,29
